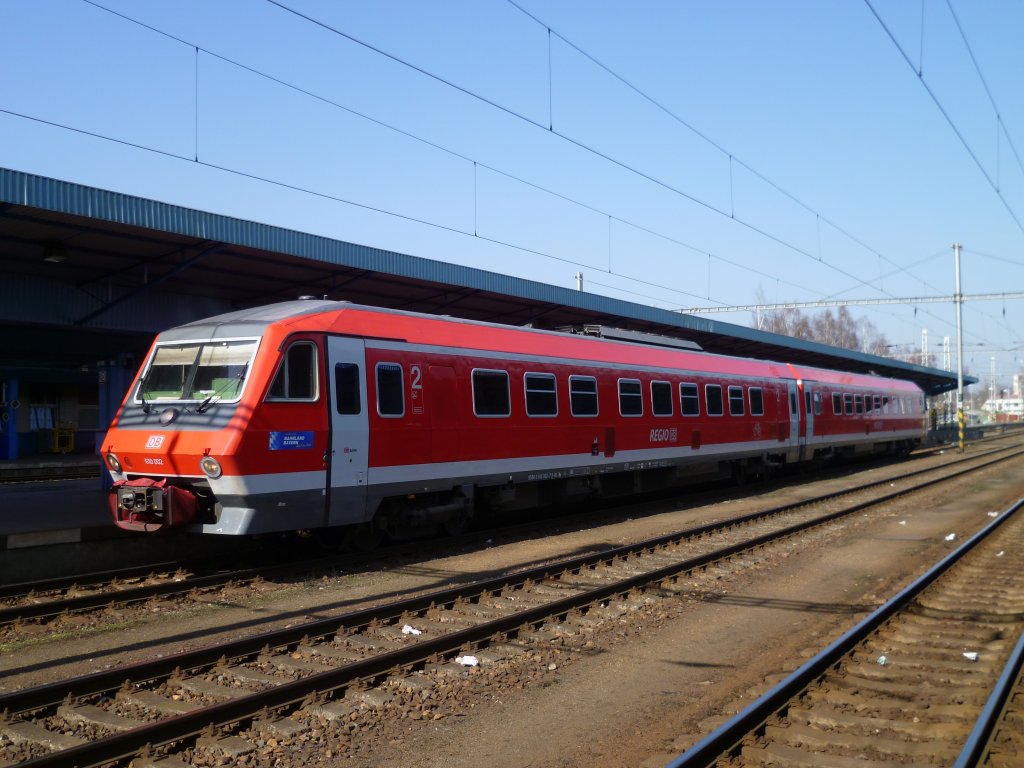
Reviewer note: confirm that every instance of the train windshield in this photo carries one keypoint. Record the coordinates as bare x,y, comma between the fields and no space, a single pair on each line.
207,371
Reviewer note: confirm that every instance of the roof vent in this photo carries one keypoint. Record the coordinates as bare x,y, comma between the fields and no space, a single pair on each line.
633,337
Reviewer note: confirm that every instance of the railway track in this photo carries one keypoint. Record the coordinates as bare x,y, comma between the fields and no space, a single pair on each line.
382,661
43,601
998,735
909,682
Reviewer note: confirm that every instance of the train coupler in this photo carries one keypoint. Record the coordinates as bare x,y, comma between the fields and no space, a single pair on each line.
150,505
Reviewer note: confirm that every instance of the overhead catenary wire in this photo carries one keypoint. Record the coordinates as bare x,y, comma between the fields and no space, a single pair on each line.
604,155
946,116
458,230
432,144
586,147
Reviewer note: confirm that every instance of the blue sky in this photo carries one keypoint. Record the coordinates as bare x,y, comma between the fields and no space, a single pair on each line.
793,150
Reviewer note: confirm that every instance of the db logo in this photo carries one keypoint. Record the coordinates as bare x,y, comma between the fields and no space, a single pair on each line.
155,441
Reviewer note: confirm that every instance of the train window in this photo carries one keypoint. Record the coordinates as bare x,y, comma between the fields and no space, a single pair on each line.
792,404
837,404
807,401
346,388
390,390
878,404
296,378
858,404
756,401
631,399
490,393
661,398
541,396
735,401
713,399
817,403
583,395
209,371
689,400
848,404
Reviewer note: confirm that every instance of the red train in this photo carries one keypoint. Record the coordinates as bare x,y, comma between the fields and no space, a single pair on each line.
318,414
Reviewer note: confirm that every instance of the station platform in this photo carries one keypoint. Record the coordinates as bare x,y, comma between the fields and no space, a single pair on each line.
53,512
50,466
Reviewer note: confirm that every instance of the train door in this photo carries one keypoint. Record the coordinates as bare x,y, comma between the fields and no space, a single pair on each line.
443,392
809,397
795,452
350,433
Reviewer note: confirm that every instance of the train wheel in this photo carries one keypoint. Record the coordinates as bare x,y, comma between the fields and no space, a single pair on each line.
366,537
458,524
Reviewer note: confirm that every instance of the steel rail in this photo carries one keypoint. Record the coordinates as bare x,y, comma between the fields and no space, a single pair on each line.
730,735
979,742
124,596
295,693
80,603
51,694
26,588
189,725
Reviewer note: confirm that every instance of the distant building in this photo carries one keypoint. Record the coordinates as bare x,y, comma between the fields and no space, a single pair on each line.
1002,409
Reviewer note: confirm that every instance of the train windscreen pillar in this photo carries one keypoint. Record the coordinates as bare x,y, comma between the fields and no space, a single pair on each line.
114,377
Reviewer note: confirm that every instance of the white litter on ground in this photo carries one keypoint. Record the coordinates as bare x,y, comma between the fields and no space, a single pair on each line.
971,655
408,630
467,661
950,537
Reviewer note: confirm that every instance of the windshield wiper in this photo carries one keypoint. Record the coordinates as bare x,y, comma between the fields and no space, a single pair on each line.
201,408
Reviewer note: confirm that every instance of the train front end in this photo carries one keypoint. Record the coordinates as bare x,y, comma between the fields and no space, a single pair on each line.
171,449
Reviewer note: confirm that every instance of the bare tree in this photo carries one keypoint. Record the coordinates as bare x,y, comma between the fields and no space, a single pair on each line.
837,329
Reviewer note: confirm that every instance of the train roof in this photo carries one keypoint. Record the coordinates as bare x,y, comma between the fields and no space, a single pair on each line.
88,271
470,335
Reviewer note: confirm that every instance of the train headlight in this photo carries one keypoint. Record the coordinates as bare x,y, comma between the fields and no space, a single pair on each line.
211,467
113,463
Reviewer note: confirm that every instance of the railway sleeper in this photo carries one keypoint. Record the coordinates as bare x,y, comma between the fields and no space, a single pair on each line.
211,689
775,753
931,677
882,743
225,746
368,645
154,702
880,705
915,626
834,718
167,761
244,674
31,732
92,715
938,662
289,664
979,638
919,696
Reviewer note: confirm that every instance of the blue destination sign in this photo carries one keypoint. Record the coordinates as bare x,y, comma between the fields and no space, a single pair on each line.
290,441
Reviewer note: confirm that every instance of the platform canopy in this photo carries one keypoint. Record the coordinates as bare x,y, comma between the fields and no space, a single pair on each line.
88,271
